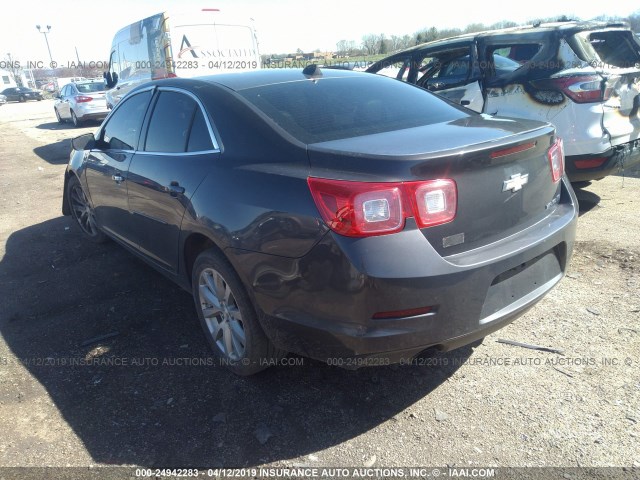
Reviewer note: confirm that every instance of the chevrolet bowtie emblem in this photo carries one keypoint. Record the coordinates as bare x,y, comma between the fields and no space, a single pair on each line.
516,182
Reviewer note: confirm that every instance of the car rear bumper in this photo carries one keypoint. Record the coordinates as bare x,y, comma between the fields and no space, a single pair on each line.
612,161
333,304
98,116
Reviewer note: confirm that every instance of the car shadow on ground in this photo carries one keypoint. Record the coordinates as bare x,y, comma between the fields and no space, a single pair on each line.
587,200
58,153
119,350
55,153
69,126
55,126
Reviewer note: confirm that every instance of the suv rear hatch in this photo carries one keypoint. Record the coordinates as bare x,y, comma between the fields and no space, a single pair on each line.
614,54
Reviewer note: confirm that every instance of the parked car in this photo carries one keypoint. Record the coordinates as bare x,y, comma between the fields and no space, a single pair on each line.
3,99
339,215
21,94
81,101
584,77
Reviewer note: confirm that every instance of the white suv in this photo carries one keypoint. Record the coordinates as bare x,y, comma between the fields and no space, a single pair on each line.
583,77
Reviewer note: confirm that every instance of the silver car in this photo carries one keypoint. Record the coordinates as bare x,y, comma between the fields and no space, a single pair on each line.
81,101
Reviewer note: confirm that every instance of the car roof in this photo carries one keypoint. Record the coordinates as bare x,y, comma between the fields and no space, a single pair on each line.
568,28
258,78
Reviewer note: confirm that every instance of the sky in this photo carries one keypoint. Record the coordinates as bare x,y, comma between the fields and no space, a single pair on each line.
282,25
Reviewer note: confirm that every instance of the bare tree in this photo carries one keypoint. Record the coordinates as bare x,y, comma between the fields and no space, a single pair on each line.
383,44
342,48
431,34
351,47
395,43
503,24
370,43
634,21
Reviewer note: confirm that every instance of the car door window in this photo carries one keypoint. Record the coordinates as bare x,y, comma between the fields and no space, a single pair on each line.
396,67
444,69
123,128
170,123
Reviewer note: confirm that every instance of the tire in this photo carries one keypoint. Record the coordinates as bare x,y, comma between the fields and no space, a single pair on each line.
76,123
22,99
82,211
58,117
231,324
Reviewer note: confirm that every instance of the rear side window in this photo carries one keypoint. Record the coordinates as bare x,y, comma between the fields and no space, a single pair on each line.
170,123
177,125
334,108
506,59
520,52
123,128
199,138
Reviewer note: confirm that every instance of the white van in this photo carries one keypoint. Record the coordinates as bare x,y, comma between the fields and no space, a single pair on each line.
179,45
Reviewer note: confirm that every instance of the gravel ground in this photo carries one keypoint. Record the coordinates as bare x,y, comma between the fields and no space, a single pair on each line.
491,404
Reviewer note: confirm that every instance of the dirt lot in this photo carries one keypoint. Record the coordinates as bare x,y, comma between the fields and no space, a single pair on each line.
141,397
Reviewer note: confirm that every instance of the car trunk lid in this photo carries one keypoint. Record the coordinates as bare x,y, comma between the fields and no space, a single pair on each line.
500,166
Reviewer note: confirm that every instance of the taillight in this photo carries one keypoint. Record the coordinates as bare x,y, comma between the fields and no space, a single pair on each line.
435,201
555,154
580,88
358,209
83,99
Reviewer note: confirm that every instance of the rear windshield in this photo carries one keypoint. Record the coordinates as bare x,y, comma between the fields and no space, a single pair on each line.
90,87
335,108
615,48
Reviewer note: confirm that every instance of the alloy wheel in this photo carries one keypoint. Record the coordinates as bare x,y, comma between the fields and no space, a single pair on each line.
222,314
82,210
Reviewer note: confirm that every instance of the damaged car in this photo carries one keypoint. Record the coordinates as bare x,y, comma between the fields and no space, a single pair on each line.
583,77
339,215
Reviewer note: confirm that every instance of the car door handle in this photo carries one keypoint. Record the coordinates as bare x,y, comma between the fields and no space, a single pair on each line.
117,178
174,188
464,103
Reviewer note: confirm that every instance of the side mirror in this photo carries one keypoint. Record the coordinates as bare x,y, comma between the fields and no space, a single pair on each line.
108,79
84,142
